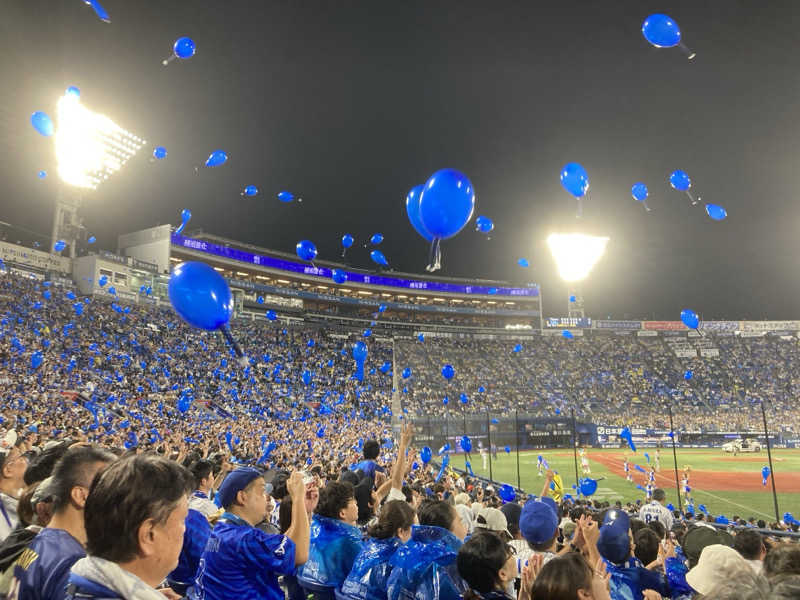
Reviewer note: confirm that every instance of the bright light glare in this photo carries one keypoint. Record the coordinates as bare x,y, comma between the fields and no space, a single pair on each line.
575,253
90,147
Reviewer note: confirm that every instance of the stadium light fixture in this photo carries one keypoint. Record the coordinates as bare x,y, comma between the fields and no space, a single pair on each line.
576,254
90,147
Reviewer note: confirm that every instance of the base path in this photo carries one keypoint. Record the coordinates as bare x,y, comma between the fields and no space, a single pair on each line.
721,481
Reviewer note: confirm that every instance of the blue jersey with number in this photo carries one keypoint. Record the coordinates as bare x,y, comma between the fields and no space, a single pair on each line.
242,562
42,570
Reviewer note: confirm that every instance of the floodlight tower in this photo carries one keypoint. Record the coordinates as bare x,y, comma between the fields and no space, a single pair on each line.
575,255
90,148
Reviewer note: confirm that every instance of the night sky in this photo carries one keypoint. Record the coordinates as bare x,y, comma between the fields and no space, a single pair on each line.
351,103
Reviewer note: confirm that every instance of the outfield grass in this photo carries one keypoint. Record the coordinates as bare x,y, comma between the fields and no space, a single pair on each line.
742,503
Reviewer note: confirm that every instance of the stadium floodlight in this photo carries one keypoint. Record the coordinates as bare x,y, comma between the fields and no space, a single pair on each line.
90,147
576,254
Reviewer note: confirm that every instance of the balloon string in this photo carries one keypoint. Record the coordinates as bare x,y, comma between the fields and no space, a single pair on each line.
166,61
580,209
689,54
229,338
688,193
435,256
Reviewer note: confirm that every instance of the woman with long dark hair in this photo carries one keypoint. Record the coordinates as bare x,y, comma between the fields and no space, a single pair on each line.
370,573
568,577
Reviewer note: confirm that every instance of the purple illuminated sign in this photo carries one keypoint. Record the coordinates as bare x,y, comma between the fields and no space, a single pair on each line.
368,279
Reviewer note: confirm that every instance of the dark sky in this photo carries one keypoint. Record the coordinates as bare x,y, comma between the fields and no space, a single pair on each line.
351,103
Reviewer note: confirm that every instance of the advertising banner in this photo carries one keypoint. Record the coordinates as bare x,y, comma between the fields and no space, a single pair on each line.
664,325
769,325
618,325
709,352
371,279
11,253
563,322
646,333
719,325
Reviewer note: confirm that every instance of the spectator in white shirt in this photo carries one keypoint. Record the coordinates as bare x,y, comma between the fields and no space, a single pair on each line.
749,544
656,511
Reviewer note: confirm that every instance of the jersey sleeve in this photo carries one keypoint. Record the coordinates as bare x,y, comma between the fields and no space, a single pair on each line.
275,553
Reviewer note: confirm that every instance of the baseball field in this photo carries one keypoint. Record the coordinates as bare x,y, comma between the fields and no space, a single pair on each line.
725,484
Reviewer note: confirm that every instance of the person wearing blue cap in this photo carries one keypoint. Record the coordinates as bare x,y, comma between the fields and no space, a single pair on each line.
629,578
241,561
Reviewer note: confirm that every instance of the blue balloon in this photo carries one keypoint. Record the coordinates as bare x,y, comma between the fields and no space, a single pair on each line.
412,210
484,224
271,315
339,276
406,373
716,212
680,180
765,472
572,299
588,486
421,337
112,291
575,179
367,332
445,400
41,174
200,295
250,190
347,240
464,398
42,123
481,389
492,291
186,216
523,262
518,348
466,444
507,449
74,91
661,31
378,258
639,192
688,375
425,454
91,240
306,377
216,158
381,308
101,12
102,281
507,493
159,152
690,318
376,239
46,294
446,203
184,403
360,351
567,334
184,47
59,245
448,371
36,360
306,250
285,196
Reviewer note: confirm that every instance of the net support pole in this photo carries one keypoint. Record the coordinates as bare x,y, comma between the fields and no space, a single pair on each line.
771,470
674,458
489,442
516,428
575,453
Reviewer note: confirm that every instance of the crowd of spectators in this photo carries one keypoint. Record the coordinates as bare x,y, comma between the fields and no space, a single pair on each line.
142,459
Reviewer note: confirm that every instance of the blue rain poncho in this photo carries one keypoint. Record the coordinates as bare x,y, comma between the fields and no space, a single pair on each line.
370,574
334,547
425,568
630,579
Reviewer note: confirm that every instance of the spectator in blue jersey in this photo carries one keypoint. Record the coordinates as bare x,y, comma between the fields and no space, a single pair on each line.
41,571
240,560
134,519
335,539
629,579
488,565
203,472
370,573
368,466
425,568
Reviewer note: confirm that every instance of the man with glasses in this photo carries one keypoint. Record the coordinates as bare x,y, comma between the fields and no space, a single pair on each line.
12,470
42,570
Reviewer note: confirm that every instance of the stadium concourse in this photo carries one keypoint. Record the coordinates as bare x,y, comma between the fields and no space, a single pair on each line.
95,383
